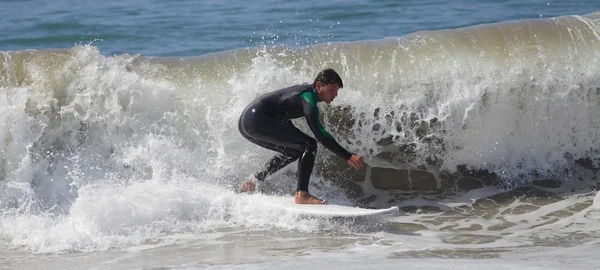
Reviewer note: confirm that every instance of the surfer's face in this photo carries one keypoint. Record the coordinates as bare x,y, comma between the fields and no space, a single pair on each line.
327,92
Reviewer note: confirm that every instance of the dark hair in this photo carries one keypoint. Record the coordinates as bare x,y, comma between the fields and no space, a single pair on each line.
328,76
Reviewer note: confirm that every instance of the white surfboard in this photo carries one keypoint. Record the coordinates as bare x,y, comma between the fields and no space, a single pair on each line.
327,210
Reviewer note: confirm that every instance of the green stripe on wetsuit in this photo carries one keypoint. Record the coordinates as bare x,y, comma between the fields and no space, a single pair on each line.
312,99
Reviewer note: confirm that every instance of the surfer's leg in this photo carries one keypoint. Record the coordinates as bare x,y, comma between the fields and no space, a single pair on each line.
285,138
287,155
306,164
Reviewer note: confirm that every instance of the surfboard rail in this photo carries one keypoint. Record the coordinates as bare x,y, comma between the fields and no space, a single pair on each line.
329,210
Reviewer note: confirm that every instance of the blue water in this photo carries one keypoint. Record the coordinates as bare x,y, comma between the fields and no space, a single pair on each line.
191,28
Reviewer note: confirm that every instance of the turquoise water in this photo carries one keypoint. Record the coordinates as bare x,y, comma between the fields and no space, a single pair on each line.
119,146
191,28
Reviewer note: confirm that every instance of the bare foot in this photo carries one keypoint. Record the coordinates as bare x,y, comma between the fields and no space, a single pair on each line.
303,197
249,186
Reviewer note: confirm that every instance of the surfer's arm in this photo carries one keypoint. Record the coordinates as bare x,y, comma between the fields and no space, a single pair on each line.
311,112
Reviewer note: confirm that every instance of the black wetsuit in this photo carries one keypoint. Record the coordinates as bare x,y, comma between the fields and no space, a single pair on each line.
266,122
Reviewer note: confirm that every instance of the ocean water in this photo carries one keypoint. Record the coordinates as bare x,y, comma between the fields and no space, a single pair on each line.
119,146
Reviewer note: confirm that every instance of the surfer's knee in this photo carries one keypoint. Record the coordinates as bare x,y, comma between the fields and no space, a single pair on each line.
292,153
311,146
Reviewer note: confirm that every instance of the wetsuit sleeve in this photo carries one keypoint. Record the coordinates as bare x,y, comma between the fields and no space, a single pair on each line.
311,112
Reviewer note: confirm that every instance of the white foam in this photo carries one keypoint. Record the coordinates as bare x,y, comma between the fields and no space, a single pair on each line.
111,151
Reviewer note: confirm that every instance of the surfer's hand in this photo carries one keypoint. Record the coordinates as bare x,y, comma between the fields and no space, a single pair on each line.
356,162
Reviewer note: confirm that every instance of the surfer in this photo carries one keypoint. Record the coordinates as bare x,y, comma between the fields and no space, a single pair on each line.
267,122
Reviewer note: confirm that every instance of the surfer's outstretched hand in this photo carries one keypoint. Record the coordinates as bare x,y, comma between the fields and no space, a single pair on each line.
356,162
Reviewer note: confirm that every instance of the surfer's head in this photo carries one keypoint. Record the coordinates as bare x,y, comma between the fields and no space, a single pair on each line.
327,84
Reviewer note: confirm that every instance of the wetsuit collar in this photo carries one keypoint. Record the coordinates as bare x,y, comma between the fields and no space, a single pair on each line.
314,91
